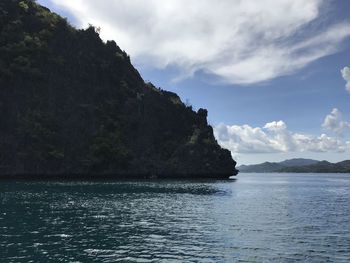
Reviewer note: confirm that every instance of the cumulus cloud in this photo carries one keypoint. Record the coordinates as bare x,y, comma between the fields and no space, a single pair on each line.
241,42
345,72
274,137
334,122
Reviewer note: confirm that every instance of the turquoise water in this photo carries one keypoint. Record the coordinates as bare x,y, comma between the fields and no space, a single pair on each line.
256,218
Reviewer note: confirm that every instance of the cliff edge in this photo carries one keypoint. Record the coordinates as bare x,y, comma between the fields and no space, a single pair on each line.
73,105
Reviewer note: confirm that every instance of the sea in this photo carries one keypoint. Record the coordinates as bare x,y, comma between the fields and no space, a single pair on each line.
252,218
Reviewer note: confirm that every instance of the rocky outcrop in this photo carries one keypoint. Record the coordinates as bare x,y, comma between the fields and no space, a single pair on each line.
73,105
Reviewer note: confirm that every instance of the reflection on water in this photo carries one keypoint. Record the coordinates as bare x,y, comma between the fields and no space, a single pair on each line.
283,218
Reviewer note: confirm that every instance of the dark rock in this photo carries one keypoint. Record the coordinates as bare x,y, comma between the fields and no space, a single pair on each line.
73,105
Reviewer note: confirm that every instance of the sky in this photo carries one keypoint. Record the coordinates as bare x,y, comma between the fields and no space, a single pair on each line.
273,74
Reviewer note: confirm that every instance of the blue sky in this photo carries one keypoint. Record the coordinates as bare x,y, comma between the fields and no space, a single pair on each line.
269,71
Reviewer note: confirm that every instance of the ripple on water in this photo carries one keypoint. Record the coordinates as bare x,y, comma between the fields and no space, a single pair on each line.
273,219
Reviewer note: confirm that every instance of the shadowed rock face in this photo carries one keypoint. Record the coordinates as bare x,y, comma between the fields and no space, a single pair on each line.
71,104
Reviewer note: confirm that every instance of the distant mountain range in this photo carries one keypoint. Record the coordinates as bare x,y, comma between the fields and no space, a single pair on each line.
297,166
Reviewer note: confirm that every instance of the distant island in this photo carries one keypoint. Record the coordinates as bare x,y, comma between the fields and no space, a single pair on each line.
73,106
297,166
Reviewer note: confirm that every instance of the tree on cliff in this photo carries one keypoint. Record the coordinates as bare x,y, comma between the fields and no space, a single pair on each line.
72,104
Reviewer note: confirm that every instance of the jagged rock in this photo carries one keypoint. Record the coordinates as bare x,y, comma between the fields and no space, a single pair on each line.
73,105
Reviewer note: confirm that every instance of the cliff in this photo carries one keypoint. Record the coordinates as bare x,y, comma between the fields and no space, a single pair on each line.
73,105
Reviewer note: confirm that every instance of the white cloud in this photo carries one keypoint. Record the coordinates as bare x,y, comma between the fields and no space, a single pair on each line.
239,41
334,122
274,137
276,126
345,72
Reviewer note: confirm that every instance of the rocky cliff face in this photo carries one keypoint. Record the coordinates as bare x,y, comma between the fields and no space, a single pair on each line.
71,104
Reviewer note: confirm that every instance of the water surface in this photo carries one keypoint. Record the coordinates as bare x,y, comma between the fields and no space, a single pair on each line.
256,218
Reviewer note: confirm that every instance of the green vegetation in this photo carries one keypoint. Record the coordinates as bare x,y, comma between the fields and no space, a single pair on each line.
297,166
320,167
71,104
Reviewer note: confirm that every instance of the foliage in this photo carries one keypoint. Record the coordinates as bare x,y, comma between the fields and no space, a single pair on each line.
72,104
298,165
